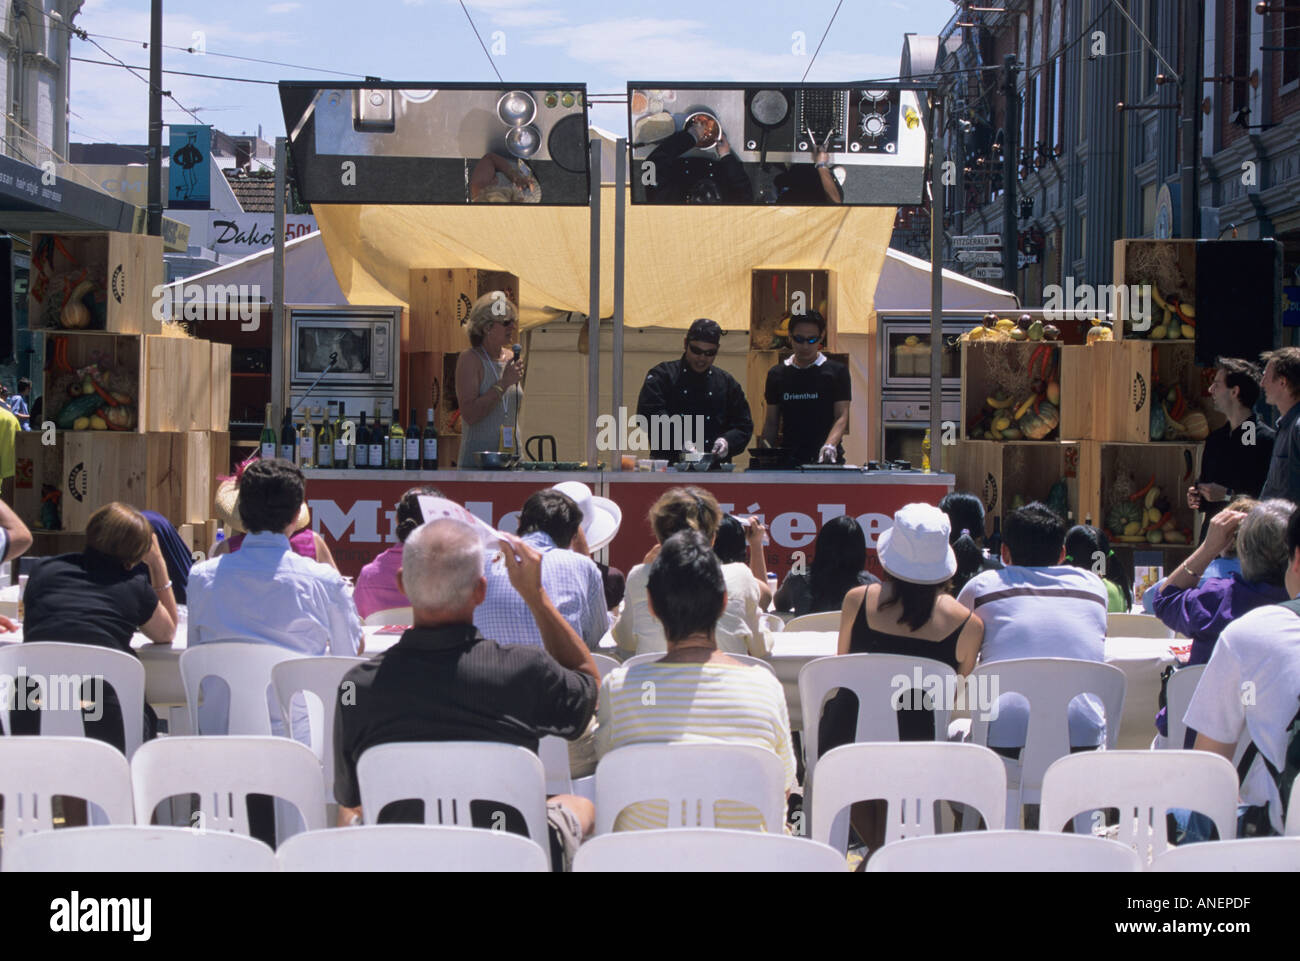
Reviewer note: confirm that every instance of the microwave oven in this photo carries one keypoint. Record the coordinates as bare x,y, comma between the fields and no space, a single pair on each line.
344,346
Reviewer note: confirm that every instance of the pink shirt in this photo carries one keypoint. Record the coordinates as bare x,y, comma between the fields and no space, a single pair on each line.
376,587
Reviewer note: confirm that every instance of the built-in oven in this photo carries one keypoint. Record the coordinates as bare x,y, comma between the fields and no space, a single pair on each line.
354,347
905,353
904,421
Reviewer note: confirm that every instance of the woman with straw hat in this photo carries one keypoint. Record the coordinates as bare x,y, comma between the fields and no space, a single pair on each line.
302,539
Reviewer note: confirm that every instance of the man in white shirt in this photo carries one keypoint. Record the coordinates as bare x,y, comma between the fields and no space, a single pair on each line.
1252,685
1039,607
264,592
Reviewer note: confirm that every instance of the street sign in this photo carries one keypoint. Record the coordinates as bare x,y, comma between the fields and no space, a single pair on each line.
968,241
987,273
979,256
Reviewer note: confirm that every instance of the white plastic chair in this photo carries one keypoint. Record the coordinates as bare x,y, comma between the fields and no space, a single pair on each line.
1144,785
43,660
448,775
321,677
771,623
554,754
1293,816
394,848
1252,854
605,664
821,621
33,770
134,848
1004,851
1178,694
911,776
1048,684
742,658
403,616
705,850
691,778
246,668
223,771
1136,625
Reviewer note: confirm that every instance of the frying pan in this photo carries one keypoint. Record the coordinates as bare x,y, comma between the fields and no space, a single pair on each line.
567,143
768,108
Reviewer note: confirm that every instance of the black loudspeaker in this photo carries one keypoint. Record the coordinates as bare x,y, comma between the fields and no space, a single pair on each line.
1238,298
6,298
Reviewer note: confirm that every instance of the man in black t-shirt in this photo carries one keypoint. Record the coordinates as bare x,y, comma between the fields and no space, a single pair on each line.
808,397
1237,455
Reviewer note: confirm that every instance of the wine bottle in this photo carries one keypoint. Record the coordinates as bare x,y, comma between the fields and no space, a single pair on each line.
325,440
396,444
341,445
288,437
306,442
267,440
430,442
376,458
361,456
413,443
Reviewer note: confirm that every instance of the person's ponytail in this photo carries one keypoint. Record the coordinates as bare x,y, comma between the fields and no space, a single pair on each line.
969,560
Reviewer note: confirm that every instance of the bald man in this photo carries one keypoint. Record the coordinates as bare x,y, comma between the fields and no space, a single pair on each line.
443,681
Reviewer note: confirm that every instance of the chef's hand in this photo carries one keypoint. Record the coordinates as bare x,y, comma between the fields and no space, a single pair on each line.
720,449
1194,498
513,374
828,455
1213,492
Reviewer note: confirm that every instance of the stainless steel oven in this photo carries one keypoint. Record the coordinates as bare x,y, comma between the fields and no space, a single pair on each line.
344,347
905,351
904,421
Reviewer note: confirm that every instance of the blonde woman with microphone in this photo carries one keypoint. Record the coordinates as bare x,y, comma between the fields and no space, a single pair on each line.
488,377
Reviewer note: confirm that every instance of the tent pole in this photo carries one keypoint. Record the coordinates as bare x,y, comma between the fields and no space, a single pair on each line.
936,281
620,237
278,398
593,310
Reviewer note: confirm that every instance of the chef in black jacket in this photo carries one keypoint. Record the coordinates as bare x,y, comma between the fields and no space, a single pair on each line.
808,397
697,180
1237,455
692,386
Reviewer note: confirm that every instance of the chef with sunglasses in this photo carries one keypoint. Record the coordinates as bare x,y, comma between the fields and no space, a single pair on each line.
693,385
808,397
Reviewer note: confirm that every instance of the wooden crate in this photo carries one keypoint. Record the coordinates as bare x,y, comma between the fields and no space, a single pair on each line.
1108,389
767,311
440,301
122,354
179,386
220,459
1107,471
988,367
1167,266
179,475
37,466
219,385
124,269
999,471
98,467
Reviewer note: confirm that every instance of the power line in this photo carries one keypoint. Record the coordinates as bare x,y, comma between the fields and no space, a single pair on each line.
480,41
179,73
822,40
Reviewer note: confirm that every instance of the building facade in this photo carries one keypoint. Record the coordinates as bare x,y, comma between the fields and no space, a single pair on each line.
34,50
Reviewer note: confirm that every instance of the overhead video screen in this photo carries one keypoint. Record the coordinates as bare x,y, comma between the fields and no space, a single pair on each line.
755,144
401,143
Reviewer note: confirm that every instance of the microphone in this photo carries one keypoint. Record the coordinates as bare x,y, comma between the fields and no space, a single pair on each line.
518,349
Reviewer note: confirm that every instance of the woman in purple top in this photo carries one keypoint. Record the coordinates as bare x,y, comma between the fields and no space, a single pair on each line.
1202,612
376,588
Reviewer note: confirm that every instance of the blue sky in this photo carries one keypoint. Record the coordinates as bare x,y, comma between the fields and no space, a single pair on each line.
603,43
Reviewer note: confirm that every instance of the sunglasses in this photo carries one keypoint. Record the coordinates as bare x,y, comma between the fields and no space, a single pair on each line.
806,340
702,353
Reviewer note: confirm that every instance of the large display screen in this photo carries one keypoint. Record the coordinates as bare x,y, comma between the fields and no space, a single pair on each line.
414,143
807,145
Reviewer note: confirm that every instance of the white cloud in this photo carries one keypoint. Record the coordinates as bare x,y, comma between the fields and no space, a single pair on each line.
283,7
514,13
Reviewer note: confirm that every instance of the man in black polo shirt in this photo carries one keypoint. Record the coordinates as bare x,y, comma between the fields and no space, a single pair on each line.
444,682
693,386
808,397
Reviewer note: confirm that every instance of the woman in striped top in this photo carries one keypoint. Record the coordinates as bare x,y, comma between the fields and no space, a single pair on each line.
695,692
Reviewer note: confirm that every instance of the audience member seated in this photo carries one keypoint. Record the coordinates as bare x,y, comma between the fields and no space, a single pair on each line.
302,540
966,520
1259,652
740,541
1225,564
839,556
1037,606
102,596
1202,609
443,681
601,519
700,694
548,522
1089,548
176,553
377,588
739,631
15,538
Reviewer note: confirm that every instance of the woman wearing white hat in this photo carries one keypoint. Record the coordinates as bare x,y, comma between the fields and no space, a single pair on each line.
908,613
601,519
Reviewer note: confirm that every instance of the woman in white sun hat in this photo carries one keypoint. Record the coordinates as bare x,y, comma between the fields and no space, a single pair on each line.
601,519
908,613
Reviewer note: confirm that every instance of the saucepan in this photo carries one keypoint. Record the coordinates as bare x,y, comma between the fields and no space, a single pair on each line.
494,460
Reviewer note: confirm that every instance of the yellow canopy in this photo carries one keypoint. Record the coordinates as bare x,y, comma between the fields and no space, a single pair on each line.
682,262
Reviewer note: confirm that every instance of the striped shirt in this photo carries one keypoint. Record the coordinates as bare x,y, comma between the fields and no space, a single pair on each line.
694,703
